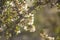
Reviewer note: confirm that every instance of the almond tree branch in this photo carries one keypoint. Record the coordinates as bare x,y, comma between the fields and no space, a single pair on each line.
33,7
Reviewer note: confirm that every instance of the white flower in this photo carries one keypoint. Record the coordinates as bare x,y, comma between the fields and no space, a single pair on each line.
25,7
26,16
32,29
12,19
18,32
31,21
51,38
8,2
21,12
30,14
25,27
22,20
12,4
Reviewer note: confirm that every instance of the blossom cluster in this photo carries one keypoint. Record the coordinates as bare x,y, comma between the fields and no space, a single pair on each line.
15,17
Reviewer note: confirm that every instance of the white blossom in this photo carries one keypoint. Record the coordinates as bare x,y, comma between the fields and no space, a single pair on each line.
18,31
32,29
12,19
46,36
21,12
25,27
51,38
12,4
31,21
22,20
8,2
26,16
25,7
30,14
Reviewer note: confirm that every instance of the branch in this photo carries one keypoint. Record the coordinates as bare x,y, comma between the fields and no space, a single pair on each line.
33,7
